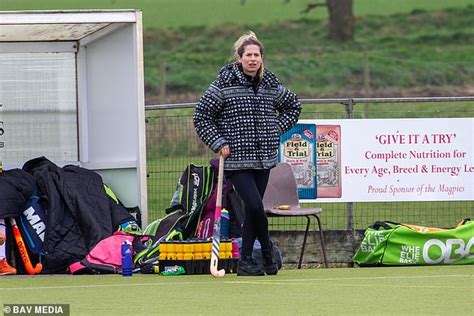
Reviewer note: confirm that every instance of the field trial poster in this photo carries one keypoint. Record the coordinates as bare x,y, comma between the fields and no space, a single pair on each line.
404,159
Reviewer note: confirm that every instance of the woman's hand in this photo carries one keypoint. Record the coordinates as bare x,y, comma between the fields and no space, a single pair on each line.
225,151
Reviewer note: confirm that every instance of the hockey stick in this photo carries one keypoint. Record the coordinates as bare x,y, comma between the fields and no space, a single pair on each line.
217,223
23,252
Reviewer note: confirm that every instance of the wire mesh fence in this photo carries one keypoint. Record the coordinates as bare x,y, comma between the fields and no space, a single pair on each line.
172,144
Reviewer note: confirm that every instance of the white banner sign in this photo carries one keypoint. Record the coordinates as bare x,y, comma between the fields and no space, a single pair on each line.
405,159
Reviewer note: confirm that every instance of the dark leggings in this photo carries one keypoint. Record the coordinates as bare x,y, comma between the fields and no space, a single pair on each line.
251,185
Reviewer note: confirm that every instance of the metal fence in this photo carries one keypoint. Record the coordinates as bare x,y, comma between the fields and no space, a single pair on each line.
172,144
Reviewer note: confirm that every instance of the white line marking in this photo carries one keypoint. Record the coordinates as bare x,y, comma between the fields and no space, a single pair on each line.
383,278
253,282
455,287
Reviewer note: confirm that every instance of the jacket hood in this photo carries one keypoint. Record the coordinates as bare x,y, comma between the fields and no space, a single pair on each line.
39,163
16,186
232,72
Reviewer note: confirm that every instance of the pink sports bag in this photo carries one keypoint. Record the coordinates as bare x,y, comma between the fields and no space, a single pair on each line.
105,257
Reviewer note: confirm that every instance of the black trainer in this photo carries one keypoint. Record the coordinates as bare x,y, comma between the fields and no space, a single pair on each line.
248,267
269,265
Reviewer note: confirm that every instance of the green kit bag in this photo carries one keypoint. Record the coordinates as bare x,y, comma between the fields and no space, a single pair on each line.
388,243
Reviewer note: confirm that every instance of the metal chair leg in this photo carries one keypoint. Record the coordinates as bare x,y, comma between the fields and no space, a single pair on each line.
308,220
323,244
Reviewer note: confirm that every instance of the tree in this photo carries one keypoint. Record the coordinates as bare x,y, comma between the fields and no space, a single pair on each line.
341,18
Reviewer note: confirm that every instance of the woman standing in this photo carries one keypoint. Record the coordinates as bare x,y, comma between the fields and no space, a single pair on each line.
241,116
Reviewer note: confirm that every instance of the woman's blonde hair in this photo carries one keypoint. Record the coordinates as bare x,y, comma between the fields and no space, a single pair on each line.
248,38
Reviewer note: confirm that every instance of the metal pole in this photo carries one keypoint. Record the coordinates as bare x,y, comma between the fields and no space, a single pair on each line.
333,101
349,106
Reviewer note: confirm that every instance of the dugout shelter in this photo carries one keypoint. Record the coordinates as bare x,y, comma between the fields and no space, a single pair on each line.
72,89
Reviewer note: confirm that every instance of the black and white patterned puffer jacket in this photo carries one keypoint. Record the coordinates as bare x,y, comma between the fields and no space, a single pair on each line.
249,121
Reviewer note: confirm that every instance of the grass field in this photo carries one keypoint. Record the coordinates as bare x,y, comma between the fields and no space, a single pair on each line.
422,53
435,290
417,47
174,14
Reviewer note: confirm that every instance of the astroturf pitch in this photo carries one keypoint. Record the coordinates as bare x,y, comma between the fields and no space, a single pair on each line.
433,290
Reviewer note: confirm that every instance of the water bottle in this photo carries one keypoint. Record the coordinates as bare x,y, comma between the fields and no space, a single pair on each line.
126,259
235,249
225,217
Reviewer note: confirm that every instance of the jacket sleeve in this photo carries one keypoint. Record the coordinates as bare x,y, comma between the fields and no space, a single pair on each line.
205,118
288,107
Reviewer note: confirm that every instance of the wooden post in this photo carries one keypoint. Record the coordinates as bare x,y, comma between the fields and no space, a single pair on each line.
366,83
162,83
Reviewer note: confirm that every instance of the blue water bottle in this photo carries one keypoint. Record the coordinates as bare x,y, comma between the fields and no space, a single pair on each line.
126,259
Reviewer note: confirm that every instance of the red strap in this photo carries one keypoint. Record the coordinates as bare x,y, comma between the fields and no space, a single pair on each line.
76,267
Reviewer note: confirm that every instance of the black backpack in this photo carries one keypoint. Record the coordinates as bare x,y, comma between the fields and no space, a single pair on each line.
195,186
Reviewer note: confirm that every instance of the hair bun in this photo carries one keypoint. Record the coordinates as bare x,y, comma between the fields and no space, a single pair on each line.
252,34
